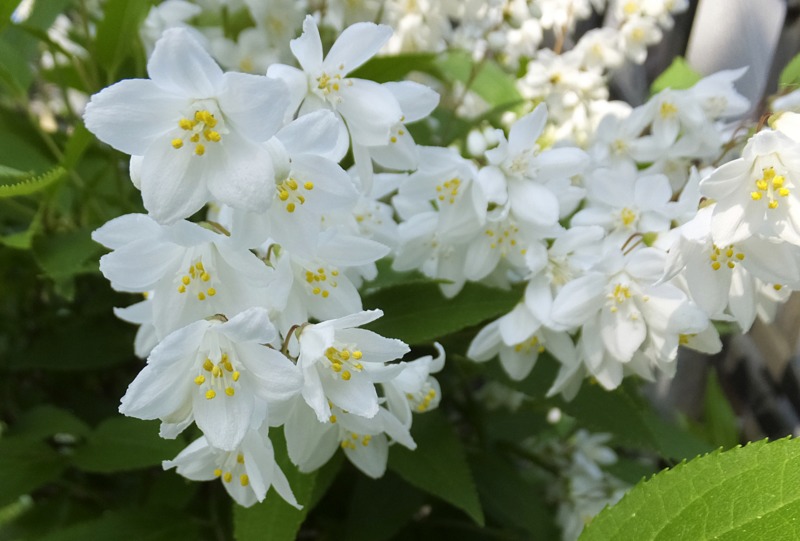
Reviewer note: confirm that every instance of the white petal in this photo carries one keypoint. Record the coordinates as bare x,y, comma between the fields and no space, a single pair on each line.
180,64
416,100
254,105
369,110
307,49
370,459
355,45
526,131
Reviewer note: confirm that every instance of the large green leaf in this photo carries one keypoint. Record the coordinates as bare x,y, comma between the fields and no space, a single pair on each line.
438,465
47,420
274,519
62,255
747,493
117,33
379,508
418,313
383,69
487,78
26,464
122,444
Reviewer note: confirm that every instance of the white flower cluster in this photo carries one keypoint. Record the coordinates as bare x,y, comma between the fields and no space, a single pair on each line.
225,324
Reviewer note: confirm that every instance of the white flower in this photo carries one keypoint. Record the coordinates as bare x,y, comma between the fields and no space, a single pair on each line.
199,131
247,472
414,389
341,364
219,374
757,193
368,109
193,272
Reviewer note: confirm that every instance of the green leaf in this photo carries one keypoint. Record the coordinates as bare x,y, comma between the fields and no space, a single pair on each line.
383,69
379,508
63,255
31,185
720,420
78,142
47,420
791,73
122,444
487,78
117,33
678,76
747,493
419,313
632,422
142,524
25,465
274,519
438,465
512,499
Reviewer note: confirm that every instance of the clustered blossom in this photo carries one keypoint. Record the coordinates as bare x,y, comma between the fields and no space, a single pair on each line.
250,319
625,235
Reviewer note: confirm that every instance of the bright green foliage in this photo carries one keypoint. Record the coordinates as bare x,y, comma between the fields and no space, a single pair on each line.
439,465
790,76
678,76
749,493
31,185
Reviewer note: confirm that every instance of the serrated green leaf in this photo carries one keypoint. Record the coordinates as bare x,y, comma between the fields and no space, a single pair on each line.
136,524
66,254
25,465
31,185
47,420
117,33
419,313
719,418
274,519
438,465
678,76
123,444
747,493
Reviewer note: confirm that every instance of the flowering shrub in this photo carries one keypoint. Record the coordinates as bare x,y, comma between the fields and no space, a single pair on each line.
328,222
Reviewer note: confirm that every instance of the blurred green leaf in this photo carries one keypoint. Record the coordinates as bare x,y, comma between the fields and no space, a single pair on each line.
134,524
25,465
379,508
122,444
632,422
77,144
486,78
418,313
438,465
790,75
719,418
117,33
512,499
63,255
678,76
46,420
274,519
749,493
383,69
22,147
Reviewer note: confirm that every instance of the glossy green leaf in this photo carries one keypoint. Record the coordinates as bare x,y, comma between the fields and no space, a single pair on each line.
122,444
47,420
274,519
719,418
419,313
487,78
678,76
747,493
438,465
383,69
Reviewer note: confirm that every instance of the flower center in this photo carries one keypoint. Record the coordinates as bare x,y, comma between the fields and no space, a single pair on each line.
329,85
728,256
318,282
627,217
618,296
199,131
354,439
667,110
448,190
217,378
290,192
198,281
768,186
526,346
504,238
342,361
232,467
